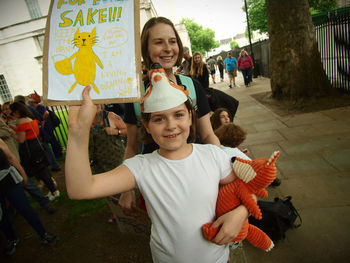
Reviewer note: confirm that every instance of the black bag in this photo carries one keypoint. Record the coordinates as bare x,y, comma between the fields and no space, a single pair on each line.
33,156
219,99
55,121
277,217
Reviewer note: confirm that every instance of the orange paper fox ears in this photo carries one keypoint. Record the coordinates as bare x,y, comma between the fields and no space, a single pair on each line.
162,93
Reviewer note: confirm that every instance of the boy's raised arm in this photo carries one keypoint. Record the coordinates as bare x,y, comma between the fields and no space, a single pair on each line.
79,180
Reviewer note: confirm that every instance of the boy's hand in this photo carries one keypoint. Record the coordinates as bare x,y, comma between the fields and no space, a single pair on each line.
81,117
231,224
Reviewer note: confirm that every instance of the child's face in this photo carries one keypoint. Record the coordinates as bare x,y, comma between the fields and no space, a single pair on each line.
170,128
224,118
162,45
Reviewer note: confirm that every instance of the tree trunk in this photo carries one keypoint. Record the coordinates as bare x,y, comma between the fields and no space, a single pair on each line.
295,64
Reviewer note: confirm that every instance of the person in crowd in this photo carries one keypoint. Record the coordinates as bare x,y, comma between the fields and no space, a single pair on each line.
179,181
8,136
31,149
251,72
185,66
106,145
12,176
55,166
199,70
221,66
212,66
34,101
6,114
220,117
106,148
231,69
245,64
161,43
231,136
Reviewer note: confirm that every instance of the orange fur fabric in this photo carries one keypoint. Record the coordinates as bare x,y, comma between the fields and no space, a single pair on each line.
253,177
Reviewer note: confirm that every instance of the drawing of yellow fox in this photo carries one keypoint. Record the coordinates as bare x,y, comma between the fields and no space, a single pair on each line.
84,66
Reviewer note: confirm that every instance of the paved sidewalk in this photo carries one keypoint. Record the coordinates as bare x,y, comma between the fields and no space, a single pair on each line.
314,167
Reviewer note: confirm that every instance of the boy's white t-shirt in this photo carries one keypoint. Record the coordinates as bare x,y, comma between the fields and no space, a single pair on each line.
180,197
235,152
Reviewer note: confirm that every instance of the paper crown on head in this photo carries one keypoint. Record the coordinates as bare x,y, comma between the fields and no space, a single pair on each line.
34,97
162,94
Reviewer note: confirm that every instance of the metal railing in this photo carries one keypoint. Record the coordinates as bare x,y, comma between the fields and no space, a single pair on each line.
332,35
61,132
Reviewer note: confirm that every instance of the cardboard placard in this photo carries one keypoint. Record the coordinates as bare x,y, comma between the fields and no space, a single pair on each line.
96,43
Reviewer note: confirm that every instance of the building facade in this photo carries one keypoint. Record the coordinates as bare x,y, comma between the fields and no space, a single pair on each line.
22,31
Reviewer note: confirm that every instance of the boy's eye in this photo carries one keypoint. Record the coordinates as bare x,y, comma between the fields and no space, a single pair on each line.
179,115
157,119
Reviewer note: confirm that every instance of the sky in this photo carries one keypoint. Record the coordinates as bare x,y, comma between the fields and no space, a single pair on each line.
225,17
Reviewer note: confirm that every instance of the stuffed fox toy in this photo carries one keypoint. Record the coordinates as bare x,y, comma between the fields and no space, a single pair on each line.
253,177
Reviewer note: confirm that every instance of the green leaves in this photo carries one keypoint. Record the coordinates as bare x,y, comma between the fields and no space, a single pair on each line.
202,40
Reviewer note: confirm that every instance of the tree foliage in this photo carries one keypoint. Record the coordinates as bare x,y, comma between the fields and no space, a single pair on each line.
202,40
233,44
258,18
257,15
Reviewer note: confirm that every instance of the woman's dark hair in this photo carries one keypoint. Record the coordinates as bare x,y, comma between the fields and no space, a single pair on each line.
22,110
146,138
230,135
145,36
215,118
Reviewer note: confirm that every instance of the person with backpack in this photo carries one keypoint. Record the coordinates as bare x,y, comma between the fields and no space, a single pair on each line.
106,147
49,122
161,43
12,177
231,69
106,143
31,147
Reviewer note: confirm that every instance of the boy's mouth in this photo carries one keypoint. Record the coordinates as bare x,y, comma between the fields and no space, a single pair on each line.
172,136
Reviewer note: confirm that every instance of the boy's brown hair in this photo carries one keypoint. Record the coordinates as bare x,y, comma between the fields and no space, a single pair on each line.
230,135
146,138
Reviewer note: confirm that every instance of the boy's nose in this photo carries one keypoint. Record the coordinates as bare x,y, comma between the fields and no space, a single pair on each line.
171,124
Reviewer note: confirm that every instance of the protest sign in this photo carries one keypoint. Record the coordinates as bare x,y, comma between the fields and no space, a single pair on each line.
96,43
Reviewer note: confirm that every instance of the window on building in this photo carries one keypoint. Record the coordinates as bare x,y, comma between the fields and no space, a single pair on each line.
33,8
4,90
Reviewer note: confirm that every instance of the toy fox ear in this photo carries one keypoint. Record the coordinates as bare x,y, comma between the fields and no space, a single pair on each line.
273,158
93,31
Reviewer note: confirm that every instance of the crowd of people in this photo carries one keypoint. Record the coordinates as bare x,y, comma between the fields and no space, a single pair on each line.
168,148
25,166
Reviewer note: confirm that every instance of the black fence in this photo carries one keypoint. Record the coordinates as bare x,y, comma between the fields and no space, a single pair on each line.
61,132
333,39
